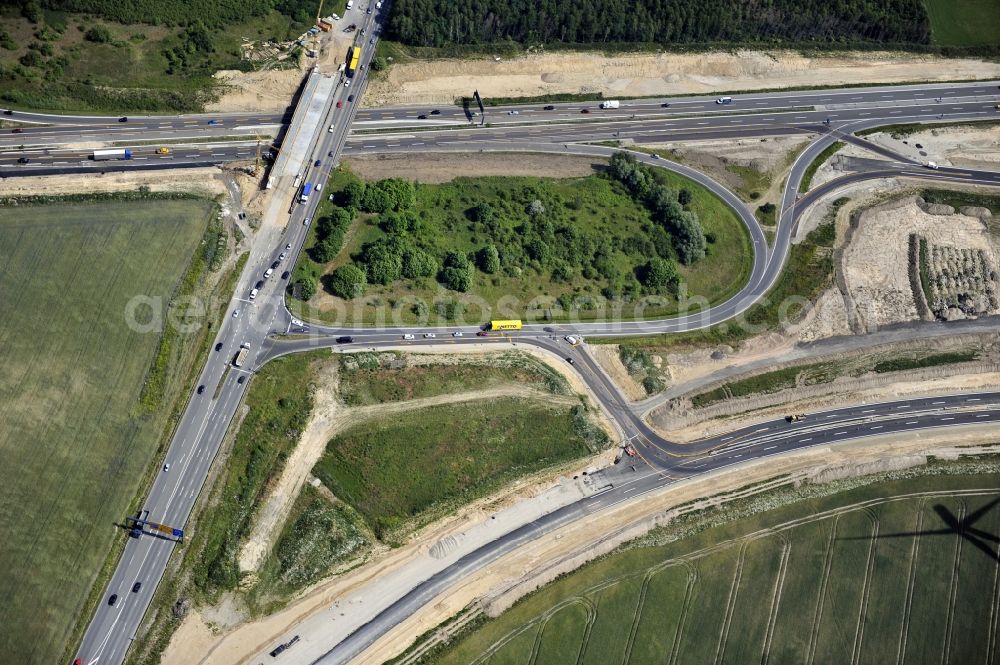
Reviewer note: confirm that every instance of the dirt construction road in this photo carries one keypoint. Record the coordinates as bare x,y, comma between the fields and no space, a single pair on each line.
640,74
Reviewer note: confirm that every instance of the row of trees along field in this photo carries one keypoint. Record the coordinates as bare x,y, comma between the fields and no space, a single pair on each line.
446,22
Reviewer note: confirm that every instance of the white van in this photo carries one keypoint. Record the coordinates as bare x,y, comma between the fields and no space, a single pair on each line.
350,5
268,273
724,100
253,294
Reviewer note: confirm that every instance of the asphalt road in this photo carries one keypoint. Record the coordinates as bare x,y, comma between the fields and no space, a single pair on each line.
203,425
397,129
207,416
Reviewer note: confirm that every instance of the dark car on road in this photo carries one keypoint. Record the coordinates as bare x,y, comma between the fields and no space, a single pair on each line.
201,389
136,587
350,98
584,110
113,599
549,108
421,117
285,275
274,265
241,379
665,105
317,162
8,112
259,285
123,119
218,347
16,131
345,339
435,112
23,160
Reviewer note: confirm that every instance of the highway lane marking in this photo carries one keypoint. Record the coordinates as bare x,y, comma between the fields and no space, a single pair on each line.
839,433
868,411
805,440
937,402
983,415
947,419
877,427
770,447
973,399
911,422
905,406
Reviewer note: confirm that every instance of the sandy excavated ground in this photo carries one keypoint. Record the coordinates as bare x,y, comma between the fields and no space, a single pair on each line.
632,75
200,181
267,91
607,357
565,550
876,260
437,167
969,147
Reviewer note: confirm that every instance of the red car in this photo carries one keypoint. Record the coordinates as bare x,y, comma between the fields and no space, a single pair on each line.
340,105
482,333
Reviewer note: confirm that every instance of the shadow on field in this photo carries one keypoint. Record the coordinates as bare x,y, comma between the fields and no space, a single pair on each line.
954,526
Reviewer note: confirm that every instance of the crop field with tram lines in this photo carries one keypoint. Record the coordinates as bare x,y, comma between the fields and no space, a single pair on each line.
74,438
876,574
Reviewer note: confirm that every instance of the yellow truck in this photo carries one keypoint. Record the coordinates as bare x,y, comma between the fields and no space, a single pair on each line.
506,324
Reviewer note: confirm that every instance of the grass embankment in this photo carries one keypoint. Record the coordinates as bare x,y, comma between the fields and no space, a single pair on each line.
807,273
278,405
821,158
366,379
399,467
961,199
75,438
825,372
803,577
594,241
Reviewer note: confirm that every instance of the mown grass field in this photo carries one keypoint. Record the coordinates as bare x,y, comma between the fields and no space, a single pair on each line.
593,206
369,378
823,580
399,466
74,441
964,23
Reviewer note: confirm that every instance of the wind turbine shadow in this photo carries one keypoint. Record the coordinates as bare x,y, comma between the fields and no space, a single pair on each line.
954,527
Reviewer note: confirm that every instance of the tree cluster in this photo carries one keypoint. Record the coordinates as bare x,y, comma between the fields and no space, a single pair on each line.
444,22
686,234
390,194
214,13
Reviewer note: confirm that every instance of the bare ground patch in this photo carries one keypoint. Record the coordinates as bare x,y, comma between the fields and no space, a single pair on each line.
445,167
638,74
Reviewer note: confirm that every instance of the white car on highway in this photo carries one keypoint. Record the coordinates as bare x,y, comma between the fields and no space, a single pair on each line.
457,334
429,335
408,336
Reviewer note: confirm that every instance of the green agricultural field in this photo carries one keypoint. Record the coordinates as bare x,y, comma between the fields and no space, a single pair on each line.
864,575
593,242
400,466
965,22
370,378
74,438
